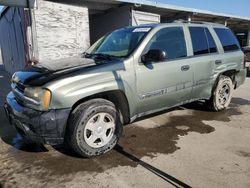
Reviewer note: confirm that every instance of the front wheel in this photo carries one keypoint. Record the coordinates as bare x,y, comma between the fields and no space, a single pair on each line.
222,94
94,128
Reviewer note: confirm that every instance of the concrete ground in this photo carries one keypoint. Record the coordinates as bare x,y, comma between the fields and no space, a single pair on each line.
184,147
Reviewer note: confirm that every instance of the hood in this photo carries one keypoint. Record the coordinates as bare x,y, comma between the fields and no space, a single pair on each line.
66,63
41,73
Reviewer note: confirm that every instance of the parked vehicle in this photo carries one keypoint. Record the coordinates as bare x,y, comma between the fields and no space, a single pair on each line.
125,75
246,50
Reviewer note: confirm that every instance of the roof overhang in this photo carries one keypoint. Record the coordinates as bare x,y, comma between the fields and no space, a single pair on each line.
155,4
167,12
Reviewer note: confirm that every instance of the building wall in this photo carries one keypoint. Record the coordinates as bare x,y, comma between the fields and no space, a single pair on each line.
118,18
61,30
13,39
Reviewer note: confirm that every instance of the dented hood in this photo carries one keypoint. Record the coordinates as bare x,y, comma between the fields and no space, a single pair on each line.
60,64
41,73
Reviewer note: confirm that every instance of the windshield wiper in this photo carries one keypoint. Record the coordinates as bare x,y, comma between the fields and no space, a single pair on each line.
101,55
106,56
86,55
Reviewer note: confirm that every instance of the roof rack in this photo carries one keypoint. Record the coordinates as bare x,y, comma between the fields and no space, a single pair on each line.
195,22
187,21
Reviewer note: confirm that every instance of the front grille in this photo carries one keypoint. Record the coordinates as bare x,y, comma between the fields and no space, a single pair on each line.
18,91
20,87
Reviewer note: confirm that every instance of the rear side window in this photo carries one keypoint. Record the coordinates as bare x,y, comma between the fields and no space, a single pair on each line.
202,41
171,40
227,39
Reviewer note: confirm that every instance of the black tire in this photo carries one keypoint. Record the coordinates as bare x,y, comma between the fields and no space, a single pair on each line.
213,104
77,123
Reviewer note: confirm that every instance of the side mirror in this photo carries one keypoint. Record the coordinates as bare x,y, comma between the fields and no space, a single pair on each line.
154,55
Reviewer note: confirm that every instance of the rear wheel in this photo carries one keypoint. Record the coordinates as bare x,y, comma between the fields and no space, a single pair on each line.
94,128
222,95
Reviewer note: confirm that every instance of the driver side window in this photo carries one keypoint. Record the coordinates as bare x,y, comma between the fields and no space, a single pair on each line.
171,40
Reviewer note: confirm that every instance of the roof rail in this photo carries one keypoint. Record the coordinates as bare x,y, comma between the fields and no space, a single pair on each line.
197,22
186,21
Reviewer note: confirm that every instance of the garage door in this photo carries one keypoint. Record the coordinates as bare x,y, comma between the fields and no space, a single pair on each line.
139,18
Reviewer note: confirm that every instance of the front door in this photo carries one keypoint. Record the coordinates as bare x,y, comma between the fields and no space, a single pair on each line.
167,83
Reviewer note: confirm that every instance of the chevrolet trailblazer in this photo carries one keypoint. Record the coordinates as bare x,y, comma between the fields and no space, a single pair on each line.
126,74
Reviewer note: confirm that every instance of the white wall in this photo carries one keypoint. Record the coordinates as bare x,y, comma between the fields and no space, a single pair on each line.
62,30
139,17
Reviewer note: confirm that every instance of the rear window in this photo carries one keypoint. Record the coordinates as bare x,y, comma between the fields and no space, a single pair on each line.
227,39
202,41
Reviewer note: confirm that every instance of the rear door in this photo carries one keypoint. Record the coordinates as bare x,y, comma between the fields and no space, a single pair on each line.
233,57
205,56
167,83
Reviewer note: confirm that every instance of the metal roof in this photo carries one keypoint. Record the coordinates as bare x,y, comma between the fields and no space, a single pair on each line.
171,12
180,8
106,4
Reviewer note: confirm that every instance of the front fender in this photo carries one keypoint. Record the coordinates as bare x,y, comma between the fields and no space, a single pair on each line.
67,98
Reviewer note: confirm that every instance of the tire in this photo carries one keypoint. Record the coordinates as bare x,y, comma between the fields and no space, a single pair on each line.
222,94
94,128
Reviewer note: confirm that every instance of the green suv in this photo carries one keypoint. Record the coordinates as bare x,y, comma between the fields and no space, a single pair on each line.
127,74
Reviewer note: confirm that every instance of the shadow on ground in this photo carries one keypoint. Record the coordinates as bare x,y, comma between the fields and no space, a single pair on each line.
136,140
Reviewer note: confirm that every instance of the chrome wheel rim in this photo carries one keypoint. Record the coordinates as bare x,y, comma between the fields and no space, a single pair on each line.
99,130
224,94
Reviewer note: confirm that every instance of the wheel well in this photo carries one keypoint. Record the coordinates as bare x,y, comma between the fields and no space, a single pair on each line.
115,96
230,73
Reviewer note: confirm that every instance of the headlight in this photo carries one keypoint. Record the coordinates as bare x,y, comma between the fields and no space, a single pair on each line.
14,78
40,96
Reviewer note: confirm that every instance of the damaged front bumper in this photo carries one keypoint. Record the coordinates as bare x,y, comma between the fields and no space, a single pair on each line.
43,127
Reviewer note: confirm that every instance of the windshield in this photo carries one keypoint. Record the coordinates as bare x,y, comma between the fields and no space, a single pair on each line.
120,43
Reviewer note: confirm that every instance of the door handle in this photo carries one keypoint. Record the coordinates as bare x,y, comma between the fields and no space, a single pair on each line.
185,68
217,62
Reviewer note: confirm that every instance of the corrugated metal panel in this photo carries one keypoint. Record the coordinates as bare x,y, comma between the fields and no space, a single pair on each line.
1,59
12,40
139,17
19,3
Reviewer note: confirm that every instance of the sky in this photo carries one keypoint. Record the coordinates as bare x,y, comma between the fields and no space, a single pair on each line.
236,7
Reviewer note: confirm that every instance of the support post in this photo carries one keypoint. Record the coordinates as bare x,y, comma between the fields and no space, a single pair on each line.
248,36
